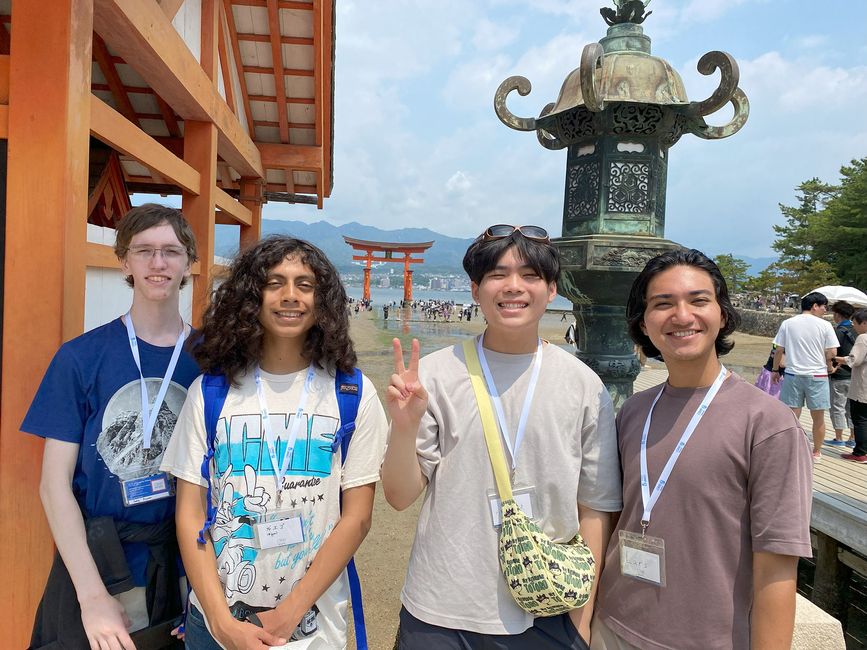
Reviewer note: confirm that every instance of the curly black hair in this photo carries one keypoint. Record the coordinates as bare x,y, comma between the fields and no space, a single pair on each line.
636,304
231,336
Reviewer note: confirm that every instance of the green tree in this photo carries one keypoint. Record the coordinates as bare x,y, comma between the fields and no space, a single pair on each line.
768,282
840,230
796,238
734,270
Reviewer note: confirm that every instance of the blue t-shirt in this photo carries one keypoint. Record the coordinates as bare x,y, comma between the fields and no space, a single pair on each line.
91,396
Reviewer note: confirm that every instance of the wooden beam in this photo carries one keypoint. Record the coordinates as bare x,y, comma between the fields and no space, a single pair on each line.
279,79
44,283
240,214
317,69
169,117
285,40
200,152
5,41
326,105
290,100
129,89
110,126
289,72
4,122
251,196
291,156
225,68
170,7
319,189
115,85
209,37
292,125
283,4
143,36
4,78
236,54
290,181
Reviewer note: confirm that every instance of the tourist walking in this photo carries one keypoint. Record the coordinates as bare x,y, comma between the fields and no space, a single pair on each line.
857,360
841,374
809,343
267,525
555,419
716,483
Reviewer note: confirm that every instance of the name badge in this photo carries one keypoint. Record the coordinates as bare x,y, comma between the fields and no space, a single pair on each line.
524,497
279,529
147,488
642,557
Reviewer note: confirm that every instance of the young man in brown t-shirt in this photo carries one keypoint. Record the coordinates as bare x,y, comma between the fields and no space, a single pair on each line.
716,484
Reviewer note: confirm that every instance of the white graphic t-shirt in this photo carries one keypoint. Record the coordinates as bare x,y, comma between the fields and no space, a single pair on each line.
244,488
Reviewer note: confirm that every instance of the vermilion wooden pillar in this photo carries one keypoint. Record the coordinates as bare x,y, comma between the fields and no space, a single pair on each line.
251,197
200,152
49,123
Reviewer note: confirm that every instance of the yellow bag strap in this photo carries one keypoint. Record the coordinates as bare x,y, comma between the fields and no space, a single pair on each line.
489,424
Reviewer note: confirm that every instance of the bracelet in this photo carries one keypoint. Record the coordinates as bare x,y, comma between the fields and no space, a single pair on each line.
777,370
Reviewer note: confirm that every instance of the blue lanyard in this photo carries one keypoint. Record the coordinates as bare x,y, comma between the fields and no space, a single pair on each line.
649,500
498,404
149,412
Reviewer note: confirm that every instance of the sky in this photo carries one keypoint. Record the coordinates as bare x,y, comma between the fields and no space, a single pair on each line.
417,143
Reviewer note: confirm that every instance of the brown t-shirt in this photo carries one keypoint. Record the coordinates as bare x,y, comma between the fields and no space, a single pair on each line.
743,484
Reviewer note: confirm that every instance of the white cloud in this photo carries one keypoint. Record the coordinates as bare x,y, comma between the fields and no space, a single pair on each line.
458,182
491,36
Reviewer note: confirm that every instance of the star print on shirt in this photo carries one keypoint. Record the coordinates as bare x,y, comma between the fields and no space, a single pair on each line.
282,579
321,497
294,503
303,499
264,587
278,596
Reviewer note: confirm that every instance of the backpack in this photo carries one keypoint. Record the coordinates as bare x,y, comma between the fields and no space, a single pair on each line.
347,387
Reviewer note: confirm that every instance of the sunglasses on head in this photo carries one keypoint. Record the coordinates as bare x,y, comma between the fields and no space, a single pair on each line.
503,230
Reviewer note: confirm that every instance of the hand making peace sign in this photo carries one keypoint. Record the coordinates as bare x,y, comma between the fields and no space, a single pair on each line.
406,398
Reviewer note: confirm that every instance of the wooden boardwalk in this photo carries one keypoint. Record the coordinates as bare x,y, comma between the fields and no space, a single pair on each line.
839,517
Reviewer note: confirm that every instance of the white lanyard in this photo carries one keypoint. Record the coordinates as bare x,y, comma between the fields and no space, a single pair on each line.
498,404
647,499
149,412
280,469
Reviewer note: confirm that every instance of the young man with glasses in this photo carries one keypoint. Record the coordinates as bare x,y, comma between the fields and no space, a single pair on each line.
107,407
716,484
810,344
556,421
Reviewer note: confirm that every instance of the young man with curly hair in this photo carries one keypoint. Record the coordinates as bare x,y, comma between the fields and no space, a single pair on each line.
284,516
106,408
716,484
558,426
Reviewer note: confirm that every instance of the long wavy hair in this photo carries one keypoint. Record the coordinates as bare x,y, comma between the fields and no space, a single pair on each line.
232,337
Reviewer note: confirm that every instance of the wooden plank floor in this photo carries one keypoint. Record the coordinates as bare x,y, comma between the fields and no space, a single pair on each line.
839,486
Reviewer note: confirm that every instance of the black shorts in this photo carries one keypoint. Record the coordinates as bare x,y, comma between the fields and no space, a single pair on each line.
547,632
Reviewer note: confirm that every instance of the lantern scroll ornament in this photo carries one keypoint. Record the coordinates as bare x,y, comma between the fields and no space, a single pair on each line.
618,114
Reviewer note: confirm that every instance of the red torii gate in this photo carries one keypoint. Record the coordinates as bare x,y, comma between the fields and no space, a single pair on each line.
388,249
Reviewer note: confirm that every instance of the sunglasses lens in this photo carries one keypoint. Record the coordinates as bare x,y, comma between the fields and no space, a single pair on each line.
534,232
501,230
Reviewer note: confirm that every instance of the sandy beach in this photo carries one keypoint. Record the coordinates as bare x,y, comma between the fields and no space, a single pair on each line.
382,559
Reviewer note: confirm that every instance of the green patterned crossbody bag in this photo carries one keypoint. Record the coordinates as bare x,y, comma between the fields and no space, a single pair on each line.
545,578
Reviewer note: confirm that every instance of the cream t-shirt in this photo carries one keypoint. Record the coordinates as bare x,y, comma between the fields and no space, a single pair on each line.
568,454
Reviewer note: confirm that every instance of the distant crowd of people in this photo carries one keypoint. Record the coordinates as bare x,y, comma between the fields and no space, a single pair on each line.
213,484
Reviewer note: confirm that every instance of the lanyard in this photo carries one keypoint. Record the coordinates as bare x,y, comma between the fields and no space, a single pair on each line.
149,412
647,499
498,404
280,469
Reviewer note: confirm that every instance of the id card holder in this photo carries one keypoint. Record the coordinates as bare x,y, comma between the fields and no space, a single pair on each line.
281,528
525,497
147,488
642,557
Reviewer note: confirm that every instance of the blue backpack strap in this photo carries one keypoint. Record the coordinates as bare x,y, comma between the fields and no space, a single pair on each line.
347,386
214,391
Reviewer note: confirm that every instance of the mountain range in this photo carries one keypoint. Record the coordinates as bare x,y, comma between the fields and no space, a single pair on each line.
444,256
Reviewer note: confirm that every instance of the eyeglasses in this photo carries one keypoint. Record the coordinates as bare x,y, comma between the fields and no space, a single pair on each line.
146,253
503,230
